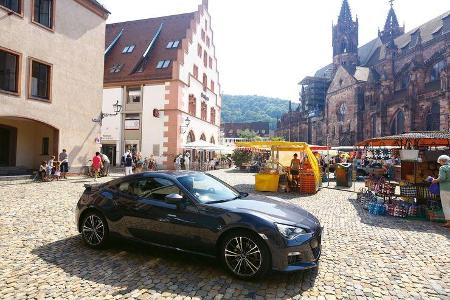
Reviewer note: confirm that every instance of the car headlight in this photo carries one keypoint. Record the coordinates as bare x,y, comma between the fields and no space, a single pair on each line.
290,232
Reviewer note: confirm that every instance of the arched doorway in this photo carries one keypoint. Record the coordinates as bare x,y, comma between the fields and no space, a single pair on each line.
398,123
25,142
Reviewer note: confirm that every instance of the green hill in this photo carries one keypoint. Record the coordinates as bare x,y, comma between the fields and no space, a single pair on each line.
252,109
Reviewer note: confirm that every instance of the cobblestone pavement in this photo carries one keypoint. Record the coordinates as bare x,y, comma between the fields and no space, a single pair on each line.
364,257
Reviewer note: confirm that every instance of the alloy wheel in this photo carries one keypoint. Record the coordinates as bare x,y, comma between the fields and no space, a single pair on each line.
93,230
243,256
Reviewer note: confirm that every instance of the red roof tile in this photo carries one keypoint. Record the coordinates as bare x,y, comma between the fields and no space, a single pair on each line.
140,33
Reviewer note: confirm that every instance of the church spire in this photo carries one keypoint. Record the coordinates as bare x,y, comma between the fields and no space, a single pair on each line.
392,29
345,16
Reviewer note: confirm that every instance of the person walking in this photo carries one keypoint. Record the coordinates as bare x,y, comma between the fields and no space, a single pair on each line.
96,164
64,159
106,164
187,161
128,165
178,162
444,186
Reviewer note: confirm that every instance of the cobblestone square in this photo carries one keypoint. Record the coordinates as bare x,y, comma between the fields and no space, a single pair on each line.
363,256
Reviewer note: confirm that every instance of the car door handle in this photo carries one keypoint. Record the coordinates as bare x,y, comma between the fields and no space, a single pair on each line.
172,216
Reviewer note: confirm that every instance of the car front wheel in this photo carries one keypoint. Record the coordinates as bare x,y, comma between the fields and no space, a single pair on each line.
94,230
245,255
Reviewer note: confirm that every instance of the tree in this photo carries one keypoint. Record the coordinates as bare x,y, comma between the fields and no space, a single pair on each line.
277,139
249,134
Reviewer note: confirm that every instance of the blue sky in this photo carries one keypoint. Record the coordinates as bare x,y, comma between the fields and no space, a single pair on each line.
266,47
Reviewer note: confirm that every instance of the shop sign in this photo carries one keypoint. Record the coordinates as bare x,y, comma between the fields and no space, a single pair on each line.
205,97
132,124
107,137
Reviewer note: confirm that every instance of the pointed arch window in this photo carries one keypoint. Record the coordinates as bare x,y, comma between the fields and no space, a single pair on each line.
433,118
398,123
212,140
404,81
190,137
203,137
437,69
373,126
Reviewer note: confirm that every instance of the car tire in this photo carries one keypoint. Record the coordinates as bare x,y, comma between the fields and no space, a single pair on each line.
94,230
245,255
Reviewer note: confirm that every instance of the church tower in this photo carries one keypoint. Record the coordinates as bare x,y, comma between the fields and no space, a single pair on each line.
392,29
345,40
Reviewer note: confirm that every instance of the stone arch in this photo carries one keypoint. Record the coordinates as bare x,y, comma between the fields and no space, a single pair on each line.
398,123
432,119
203,137
190,137
212,140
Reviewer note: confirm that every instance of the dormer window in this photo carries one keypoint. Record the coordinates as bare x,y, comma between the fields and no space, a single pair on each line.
128,49
116,68
163,64
172,44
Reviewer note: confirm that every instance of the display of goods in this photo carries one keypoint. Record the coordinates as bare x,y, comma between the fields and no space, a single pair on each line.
377,209
390,208
436,215
408,191
400,211
413,211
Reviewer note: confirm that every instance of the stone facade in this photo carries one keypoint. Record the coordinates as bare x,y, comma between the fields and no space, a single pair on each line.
398,82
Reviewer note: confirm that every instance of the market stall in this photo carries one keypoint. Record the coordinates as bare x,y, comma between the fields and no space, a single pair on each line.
417,153
275,175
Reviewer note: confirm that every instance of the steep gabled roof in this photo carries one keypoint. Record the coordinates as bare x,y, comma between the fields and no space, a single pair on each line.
140,33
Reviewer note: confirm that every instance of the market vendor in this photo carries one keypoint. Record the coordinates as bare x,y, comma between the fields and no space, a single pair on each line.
295,167
444,185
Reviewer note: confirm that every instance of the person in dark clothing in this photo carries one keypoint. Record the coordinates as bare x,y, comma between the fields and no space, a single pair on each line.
128,165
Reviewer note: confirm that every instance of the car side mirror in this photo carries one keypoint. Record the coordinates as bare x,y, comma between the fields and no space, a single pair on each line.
174,199
243,194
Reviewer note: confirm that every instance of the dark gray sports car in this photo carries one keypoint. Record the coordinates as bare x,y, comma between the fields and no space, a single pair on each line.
198,213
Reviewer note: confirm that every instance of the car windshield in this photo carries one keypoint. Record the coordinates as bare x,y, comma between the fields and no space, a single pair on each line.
206,189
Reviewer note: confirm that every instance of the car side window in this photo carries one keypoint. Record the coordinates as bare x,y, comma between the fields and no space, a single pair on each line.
159,188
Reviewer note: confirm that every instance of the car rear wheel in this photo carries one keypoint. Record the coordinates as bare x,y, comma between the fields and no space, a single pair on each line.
245,255
94,230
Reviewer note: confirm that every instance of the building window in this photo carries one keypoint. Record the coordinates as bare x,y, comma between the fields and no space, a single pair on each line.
134,95
132,122
40,83
205,82
205,59
195,72
208,42
163,64
213,116
172,44
203,35
212,140
12,5
9,71
116,68
210,62
192,105
341,111
437,70
398,123
212,86
128,49
433,118
203,137
199,51
204,112
43,12
45,145
190,137
373,123
404,81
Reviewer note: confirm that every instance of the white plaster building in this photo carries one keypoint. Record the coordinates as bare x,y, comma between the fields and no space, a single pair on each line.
51,72
162,71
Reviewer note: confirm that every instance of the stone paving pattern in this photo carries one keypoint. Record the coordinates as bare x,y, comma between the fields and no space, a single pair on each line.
364,256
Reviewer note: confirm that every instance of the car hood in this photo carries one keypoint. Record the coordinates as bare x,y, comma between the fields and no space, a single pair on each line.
272,209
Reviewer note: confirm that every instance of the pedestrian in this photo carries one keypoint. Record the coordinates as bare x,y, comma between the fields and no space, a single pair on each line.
43,171
64,159
106,164
187,161
182,162
444,186
178,162
96,164
128,165
57,173
50,163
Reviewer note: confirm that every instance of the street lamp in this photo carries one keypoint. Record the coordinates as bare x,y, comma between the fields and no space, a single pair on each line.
117,109
184,128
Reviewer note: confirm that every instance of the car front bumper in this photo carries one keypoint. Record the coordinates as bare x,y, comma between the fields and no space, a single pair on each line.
299,254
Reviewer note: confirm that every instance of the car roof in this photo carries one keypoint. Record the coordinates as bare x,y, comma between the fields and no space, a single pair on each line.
171,173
